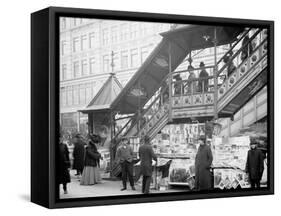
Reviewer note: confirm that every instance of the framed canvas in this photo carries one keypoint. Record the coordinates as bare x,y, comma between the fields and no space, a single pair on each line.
134,107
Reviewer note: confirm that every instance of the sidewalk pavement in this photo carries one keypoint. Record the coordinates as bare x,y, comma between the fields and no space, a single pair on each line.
105,188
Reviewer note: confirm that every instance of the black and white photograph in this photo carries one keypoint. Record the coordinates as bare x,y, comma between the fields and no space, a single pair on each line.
161,108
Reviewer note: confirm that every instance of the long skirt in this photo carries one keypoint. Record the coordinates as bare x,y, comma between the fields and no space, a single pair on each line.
91,175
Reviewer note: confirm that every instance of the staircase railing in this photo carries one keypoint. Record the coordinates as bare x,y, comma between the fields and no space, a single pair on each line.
192,86
233,57
258,52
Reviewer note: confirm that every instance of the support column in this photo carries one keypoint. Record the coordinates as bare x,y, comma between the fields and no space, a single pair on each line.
90,123
78,121
170,78
111,143
215,77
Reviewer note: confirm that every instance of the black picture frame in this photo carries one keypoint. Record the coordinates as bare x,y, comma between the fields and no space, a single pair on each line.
45,105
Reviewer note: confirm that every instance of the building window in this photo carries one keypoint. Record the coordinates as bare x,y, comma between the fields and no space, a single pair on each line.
116,61
114,34
92,62
134,57
124,32
76,71
82,94
88,92
124,59
83,42
134,30
105,36
143,29
75,95
63,23
94,88
144,54
84,67
63,97
105,63
77,21
91,39
63,47
75,44
69,96
64,71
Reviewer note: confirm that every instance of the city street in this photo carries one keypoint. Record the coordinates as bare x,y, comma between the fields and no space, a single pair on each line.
106,188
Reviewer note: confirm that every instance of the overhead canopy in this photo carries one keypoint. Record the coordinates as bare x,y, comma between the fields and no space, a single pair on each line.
179,42
103,99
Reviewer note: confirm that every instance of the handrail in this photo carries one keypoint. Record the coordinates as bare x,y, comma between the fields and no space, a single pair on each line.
238,51
254,50
232,47
193,69
154,101
136,114
150,119
119,132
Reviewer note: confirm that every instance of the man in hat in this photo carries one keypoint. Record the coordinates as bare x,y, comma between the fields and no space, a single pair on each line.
78,154
227,60
203,162
203,84
146,154
124,156
191,88
178,84
254,164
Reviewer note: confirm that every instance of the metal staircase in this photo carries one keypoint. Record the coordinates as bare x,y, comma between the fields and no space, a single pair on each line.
197,97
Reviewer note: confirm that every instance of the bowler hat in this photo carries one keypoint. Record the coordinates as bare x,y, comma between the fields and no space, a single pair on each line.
203,138
95,138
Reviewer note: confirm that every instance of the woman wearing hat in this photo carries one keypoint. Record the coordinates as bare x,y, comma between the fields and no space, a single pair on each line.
91,174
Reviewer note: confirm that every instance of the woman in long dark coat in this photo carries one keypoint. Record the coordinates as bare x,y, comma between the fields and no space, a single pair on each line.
91,174
64,165
78,155
203,162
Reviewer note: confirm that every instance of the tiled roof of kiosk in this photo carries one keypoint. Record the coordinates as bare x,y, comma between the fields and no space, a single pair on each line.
108,92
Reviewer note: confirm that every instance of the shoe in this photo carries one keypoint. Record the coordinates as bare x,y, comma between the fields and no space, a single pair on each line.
133,188
123,189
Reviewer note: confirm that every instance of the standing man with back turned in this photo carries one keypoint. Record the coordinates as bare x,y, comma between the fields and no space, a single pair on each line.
125,158
146,154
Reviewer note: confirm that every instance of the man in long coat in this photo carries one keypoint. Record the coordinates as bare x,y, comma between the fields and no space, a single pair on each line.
203,162
125,157
78,154
203,85
146,154
63,166
254,165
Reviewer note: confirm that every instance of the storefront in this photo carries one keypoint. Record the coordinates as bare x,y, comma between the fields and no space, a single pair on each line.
177,145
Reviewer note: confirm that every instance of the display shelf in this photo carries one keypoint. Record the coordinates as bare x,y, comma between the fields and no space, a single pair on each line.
173,156
179,183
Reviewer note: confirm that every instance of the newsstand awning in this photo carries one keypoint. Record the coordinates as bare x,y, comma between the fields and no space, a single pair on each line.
105,96
179,42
